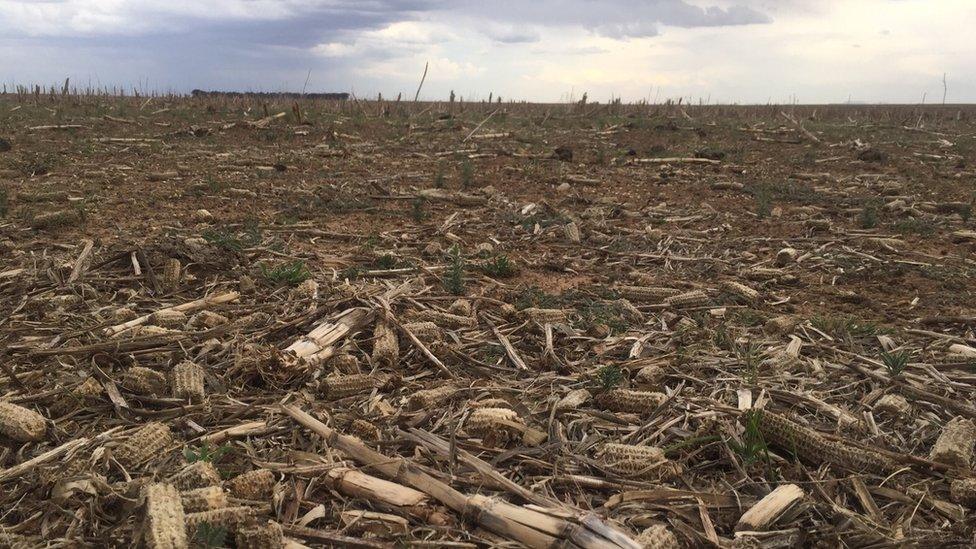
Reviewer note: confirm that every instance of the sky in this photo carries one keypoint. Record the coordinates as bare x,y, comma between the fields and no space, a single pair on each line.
717,51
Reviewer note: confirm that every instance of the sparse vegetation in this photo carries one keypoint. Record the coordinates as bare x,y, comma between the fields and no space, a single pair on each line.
453,279
288,274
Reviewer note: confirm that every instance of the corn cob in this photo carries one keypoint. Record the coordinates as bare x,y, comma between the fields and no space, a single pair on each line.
20,424
544,316
308,289
426,332
386,348
461,307
963,491
573,400
206,320
144,381
428,398
629,401
364,430
809,445
168,318
123,314
628,311
694,298
254,485
955,445
739,290
198,474
658,536
336,387
446,320
785,256
171,274
188,381
494,425
636,461
685,324
780,325
228,518
762,273
646,294
572,232
59,218
344,363
144,444
164,518
508,311
260,536
203,499
893,405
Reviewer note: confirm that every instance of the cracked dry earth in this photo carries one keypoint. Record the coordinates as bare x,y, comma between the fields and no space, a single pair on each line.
235,323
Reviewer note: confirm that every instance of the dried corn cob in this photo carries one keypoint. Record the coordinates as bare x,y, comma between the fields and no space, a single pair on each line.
145,443
963,491
20,424
893,405
544,316
573,400
59,218
254,485
198,474
168,318
786,256
646,294
336,387
572,232
445,320
955,445
144,381
203,499
494,425
188,381
762,273
228,518
206,320
164,518
260,536
344,363
630,401
780,325
636,461
650,375
658,536
628,311
308,289
426,332
694,298
428,398
685,324
386,348
809,445
461,307
364,430
171,274
739,290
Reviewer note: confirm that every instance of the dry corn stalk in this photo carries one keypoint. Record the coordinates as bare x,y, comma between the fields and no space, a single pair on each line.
809,445
217,299
428,398
955,445
204,499
336,387
643,462
254,485
658,536
188,381
144,381
260,536
20,424
164,518
694,298
963,492
386,347
171,274
646,294
144,444
198,474
630,401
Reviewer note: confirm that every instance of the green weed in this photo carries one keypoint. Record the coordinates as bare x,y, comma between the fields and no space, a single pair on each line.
753,448
453,279
498,266
609,377
210,536
895,362
289,274
205,453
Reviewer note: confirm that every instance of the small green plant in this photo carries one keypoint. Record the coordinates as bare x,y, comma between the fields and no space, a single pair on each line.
753,447
4,202
869,216
467,174
498,266
895,362
351,273
210,536
439,179
593,312
609,377
764,202
533,296
453,280
418,209
749,356
290,274
205,453
232,241
914,226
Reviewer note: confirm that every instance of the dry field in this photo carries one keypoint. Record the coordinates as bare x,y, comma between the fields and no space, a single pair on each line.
231,322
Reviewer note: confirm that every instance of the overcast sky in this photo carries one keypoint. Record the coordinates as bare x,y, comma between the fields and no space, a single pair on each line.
745,51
